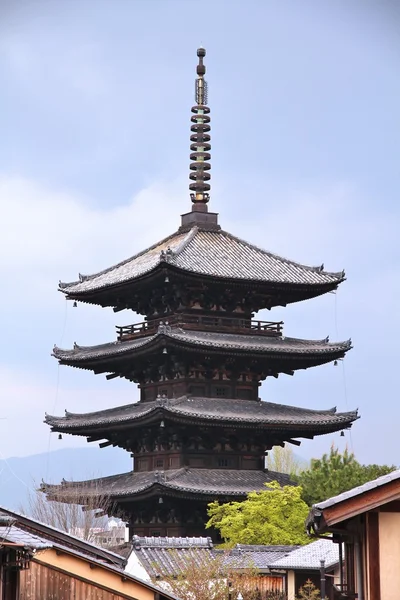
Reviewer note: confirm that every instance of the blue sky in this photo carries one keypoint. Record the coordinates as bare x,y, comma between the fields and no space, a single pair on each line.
95,115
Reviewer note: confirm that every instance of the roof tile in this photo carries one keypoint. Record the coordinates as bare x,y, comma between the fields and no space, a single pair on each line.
209,253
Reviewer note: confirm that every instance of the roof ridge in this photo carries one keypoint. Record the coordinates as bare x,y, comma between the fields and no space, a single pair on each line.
167,542
175,330
186,241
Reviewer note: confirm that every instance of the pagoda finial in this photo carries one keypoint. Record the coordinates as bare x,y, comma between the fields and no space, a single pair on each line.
200,139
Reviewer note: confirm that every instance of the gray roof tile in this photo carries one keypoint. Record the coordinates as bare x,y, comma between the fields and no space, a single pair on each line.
227,410
200,482
231,342
19,536
162,556
310,556
210,253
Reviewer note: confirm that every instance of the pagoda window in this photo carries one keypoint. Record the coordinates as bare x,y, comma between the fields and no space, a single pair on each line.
224,462
159,462
221,392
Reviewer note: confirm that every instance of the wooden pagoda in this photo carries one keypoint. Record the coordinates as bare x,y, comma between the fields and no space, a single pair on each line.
199,431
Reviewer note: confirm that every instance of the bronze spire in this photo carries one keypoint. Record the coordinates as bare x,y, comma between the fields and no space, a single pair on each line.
200,138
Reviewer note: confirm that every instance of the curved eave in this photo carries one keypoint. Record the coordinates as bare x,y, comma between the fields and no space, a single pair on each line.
198,253
108,295
204,484
106,426
108,357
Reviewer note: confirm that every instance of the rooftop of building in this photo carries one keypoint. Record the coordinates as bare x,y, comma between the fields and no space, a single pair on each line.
34,536
201,483
235,411
215,254
310,556
241,344
165,556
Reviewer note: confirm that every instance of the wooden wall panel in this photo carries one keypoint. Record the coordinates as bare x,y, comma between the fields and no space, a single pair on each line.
40,582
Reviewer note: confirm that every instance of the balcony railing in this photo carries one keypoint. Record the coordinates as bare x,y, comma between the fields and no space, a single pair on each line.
203,323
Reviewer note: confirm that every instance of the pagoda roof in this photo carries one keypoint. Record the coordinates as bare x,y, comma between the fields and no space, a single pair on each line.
208,253
203,483
233,344
234,412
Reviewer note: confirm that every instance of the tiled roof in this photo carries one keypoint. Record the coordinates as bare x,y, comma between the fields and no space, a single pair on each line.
39,536
310,556
185,481
266,414
261,557
19,536
235,343
162,556
361,489
166,555
39,532
210,253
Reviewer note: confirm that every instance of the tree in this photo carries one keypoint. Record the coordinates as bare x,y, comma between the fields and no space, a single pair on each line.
283,460
336,473
212,576
79,516
309,592
275,515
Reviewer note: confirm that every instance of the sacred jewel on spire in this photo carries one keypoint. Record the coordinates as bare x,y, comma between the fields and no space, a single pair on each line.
200,138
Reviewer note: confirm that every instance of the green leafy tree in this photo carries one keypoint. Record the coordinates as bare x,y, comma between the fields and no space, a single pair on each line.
284,460
335,473
275,515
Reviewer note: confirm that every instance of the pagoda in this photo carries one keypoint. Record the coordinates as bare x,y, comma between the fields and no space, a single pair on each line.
199,431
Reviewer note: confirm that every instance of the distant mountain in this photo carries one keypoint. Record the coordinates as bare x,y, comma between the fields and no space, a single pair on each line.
20,475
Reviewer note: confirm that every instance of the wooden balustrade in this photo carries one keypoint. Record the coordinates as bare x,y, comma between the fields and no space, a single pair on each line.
201,322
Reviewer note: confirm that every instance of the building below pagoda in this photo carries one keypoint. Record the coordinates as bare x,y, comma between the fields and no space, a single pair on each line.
199,432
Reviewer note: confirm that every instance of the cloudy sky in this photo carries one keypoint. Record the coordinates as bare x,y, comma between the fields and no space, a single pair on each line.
94,116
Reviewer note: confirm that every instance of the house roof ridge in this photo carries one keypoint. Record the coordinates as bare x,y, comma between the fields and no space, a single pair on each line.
140,542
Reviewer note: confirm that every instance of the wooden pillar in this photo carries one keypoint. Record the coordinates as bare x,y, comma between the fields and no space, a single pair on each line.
373,555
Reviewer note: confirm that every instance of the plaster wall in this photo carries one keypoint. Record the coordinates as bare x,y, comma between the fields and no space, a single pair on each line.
291,592
389,555
134,567
99,575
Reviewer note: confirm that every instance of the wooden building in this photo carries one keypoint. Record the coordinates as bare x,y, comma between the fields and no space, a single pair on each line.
304,564
200,431
365,524
38,562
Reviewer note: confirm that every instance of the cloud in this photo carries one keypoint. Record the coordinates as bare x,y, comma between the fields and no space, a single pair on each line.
25,402
50,232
